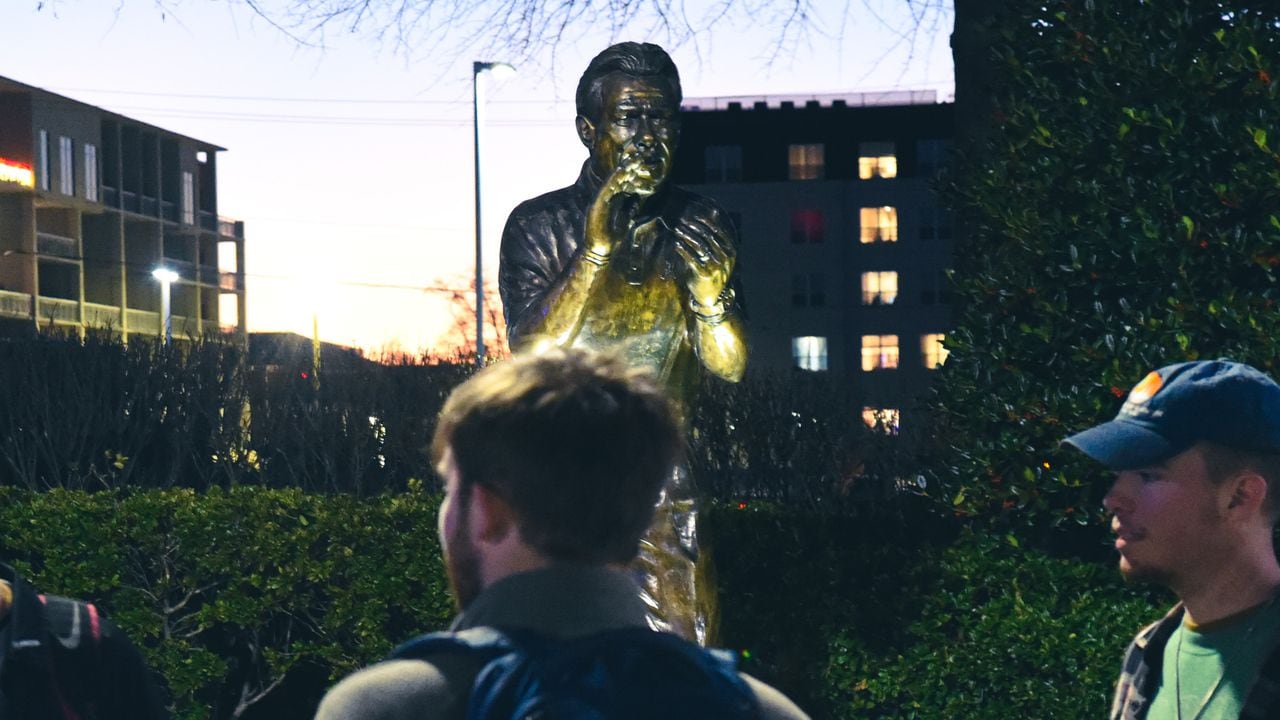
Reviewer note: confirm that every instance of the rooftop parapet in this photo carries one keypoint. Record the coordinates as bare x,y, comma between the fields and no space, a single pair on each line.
783,102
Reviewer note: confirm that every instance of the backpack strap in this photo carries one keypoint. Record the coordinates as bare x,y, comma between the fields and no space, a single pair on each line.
75,634
484,643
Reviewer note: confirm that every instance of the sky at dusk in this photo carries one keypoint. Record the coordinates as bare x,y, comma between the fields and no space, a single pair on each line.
351,164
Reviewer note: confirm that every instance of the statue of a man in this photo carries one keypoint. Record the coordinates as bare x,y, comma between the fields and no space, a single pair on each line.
623,260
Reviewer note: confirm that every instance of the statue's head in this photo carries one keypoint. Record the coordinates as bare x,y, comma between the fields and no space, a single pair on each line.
628,110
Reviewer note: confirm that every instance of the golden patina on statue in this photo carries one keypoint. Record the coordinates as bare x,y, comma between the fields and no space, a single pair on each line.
624,261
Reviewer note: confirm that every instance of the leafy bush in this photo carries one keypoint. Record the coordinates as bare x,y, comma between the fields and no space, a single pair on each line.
250,602
231,593
1123,214
1001,633
789,579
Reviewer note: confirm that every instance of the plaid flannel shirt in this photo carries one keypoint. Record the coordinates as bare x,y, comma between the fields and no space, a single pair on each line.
1140,676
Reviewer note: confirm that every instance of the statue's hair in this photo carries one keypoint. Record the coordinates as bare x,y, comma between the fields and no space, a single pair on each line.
644,60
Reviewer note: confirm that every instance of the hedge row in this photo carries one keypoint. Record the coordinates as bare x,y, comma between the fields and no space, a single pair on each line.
251,601
94,415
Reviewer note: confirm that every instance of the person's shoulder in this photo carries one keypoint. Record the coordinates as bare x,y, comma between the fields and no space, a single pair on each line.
392,690
773,704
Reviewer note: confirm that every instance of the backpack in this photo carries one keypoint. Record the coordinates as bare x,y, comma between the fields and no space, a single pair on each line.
625,674
75,632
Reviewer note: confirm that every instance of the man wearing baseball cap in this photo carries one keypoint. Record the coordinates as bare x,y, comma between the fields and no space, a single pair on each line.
1196,455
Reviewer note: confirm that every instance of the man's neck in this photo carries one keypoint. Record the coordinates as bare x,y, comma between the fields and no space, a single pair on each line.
1238,584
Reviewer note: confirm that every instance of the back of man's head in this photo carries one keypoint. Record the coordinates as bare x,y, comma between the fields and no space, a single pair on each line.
642,60
577,444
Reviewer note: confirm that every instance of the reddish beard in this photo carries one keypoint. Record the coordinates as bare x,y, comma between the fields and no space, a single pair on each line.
462,565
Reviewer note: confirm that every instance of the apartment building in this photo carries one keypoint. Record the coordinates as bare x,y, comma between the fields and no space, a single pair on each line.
108,223
843,246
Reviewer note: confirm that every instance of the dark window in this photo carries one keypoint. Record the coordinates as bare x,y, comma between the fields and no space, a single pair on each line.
809,290
724,163
806,226
931,155
935,224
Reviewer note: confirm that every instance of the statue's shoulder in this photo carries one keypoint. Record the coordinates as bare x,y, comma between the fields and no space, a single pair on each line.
549,203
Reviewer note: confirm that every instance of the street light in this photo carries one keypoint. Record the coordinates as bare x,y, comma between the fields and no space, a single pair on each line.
498,70
167,278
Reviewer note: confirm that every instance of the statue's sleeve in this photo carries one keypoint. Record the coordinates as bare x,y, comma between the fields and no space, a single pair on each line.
528,267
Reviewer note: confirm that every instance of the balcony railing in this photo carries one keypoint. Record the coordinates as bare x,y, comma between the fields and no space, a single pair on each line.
101,316
15,304
57,245
229,228
58,309
150,206
110,196
168,211
144,321
208,220
229,281
129,200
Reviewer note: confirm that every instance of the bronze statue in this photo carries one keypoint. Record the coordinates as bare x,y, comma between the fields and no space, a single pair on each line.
623,260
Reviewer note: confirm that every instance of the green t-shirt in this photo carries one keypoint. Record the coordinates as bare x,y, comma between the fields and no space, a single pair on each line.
1214,666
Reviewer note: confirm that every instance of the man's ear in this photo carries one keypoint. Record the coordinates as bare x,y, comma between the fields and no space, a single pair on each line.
491,517
586,131
1248,494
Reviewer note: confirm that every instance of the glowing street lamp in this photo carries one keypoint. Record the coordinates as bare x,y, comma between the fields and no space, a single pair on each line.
167,278
499,70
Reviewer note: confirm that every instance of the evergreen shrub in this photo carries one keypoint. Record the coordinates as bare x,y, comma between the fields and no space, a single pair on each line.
1122,214
1000,633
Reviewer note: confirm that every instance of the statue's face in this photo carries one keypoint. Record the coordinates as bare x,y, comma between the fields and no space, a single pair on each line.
638,128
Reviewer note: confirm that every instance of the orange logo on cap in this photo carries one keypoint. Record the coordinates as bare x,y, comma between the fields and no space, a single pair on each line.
1149,386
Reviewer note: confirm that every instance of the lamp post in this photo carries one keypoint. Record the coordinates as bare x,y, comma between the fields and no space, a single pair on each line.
167,278
498,70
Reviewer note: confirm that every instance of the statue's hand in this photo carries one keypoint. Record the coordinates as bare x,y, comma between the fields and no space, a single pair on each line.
614,209
708,252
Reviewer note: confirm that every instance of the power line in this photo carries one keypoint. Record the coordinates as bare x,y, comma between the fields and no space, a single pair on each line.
330,120
147,267
335,101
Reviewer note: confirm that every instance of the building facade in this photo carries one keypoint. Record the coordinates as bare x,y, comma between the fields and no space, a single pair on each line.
843,248
92,204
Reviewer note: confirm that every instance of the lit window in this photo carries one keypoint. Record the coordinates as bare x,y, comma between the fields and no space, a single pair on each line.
806,226
879,288
188,199
724,163
808,290
806,162
885,419
810,353
879,224
42,171
879,352
932,350
66,166
91,172
877,160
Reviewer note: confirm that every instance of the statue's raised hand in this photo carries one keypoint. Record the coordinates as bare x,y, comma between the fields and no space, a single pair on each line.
706,246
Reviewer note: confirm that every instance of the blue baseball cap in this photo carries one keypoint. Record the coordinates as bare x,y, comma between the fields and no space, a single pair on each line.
1177,406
